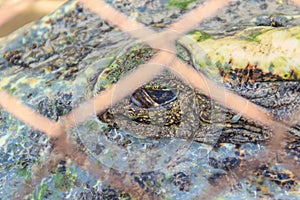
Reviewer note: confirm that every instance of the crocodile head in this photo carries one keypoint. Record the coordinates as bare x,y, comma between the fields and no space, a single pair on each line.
169,107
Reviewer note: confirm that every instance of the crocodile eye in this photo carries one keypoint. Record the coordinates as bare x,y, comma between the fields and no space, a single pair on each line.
153,97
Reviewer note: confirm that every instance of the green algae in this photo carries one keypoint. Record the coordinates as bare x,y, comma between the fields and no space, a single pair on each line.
180,4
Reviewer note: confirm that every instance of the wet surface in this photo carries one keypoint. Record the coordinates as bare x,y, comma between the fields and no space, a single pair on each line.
55,65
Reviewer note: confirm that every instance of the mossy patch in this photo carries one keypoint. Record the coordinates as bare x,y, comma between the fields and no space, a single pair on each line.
24,173
64,181
251,35
71,39
41,192
200,36
180,4
123,64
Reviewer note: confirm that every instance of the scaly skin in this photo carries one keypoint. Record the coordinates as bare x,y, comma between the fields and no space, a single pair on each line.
53,66
266,83
264,76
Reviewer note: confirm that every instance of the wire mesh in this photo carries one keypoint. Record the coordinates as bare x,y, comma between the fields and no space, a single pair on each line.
165,59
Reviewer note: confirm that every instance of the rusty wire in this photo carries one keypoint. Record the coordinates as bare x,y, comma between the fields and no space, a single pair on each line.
165,59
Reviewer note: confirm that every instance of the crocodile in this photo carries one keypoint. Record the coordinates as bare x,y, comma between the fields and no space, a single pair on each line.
173,140
269,77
